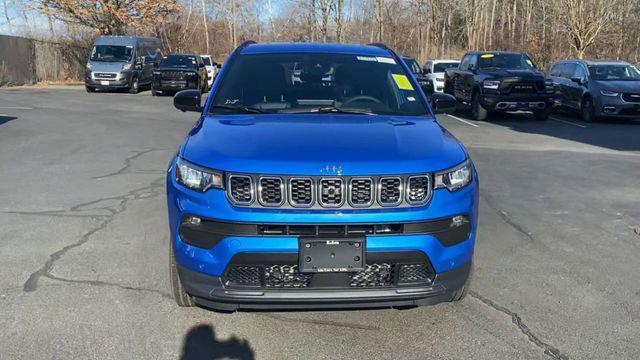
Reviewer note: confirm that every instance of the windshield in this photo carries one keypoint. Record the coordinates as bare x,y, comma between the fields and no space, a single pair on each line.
111,53
441,67
614,73
186,61
206,61
316,83
505,61
413,65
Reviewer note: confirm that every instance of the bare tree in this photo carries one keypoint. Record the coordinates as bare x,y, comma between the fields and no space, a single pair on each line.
584,20
204,22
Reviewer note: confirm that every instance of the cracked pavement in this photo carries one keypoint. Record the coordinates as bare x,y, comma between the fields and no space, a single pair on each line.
83,246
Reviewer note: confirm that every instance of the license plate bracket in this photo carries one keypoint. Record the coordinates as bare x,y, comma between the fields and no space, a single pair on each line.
104,82
331,255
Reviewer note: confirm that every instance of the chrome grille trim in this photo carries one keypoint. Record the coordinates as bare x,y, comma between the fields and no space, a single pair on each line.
427,196
371,192
321,188
230,192
291,192
400,190
262,200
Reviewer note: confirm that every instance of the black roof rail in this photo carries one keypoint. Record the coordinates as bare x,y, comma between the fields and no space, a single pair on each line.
246,43
380,45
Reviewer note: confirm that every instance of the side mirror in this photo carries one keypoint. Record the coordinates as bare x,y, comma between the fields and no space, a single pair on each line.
442,103
219,66
427,71
200,65
188,100
577,80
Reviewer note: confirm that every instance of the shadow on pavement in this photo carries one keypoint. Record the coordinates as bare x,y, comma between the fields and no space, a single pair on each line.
6,119
201,343
621,135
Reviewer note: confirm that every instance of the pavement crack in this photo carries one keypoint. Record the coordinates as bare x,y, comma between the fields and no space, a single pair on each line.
127,163
100,283
508,220
321,322
113,209
549,349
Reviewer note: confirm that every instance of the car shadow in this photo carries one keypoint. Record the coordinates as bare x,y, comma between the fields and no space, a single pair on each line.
614,134
5,119
201,343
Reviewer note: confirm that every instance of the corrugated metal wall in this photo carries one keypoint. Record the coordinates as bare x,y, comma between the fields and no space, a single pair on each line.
17,61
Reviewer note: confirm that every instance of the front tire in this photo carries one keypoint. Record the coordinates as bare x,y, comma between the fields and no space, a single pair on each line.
154,92
588,111
477,111
179,294
135,86
90,89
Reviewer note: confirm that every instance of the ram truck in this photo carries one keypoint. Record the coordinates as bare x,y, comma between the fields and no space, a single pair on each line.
500,81
333,187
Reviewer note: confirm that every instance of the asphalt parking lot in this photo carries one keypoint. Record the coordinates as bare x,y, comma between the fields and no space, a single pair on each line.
84,245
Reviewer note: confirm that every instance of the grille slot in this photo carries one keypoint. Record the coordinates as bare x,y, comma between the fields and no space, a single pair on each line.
373,275
244,276
100,75
301,192
415,273
390,191
285,276
361,192
331,192
241,189
418,189
173,75
271,191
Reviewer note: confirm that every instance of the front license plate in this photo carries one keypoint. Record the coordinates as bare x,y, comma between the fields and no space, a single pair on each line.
331,255
104,83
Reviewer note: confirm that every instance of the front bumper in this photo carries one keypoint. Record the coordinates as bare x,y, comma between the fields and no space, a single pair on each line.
121,81
173,85
516,102
617,108
203,267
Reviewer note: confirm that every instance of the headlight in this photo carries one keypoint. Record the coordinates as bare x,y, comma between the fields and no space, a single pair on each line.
608,93
454,179
89,66
197,178
126,66
491,84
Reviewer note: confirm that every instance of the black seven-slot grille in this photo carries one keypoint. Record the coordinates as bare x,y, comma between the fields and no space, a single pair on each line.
173,75
329,192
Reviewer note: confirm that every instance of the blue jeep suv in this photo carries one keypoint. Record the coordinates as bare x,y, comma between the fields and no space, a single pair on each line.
330,186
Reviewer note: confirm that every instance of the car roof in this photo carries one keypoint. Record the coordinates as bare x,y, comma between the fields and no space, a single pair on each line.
121,40
329,48
496,52
181,54
435,61
595,62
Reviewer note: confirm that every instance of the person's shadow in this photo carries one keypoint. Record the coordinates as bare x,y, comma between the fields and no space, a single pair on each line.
201,343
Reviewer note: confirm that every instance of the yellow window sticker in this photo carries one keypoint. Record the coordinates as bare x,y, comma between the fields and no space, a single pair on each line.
487,56
529,62
402,82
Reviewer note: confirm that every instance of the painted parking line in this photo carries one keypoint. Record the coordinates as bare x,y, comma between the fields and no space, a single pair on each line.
463,120
568,122
16,107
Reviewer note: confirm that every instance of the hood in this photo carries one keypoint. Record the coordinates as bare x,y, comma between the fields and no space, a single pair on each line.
107,66
523,74
312,144
619,86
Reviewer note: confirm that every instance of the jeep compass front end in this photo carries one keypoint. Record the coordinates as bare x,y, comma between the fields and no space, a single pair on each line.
338,190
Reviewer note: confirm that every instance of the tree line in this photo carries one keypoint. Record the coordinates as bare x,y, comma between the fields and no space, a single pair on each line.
548,30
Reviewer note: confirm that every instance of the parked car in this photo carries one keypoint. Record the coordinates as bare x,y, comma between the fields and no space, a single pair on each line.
122,62
178,72
434,71
316,194
211,67
500,81
597,89
425,83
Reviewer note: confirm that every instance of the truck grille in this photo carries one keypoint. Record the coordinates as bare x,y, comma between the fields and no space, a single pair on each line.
173,75
329,192
631,98
100,75
390,191
287,276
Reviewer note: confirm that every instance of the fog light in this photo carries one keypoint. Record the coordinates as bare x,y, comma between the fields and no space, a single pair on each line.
609,109
457,221
193,220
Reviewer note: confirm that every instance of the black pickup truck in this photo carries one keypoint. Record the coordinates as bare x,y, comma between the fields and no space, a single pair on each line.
500,81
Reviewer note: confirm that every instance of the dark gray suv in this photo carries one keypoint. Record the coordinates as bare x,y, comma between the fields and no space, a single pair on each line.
597,89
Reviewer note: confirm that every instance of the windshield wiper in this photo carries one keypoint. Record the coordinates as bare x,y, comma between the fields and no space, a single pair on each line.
239,108
333,110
